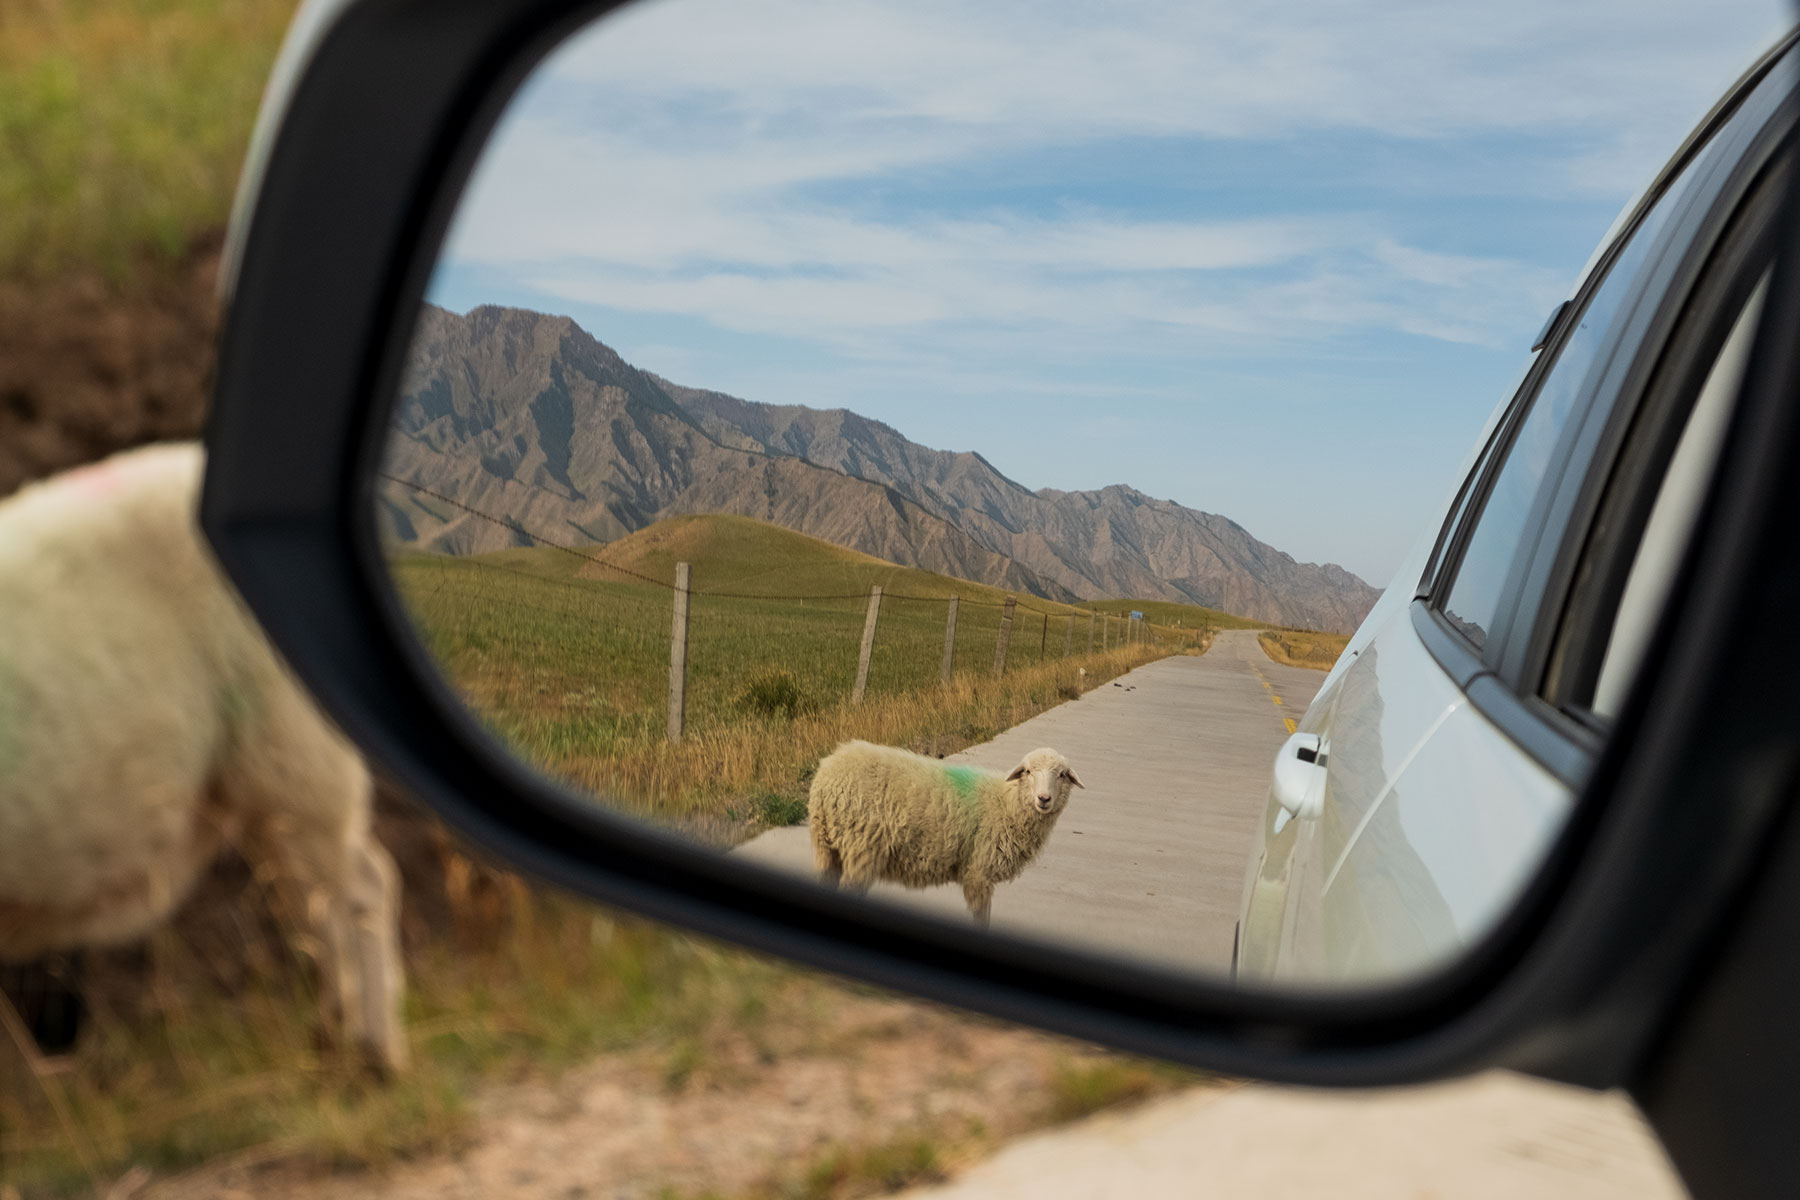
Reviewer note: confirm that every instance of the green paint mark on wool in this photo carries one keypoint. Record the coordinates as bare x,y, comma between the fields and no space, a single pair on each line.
965,780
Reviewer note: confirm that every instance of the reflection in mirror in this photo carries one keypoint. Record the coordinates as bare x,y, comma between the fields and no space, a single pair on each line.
783,451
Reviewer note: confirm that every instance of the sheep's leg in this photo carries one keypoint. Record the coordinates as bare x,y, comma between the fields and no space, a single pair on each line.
368,917
858,875
309,796
979,896
829,863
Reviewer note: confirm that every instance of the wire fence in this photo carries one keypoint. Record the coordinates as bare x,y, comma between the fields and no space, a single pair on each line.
592,650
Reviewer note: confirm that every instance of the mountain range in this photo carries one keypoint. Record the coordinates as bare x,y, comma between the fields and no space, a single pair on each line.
513,424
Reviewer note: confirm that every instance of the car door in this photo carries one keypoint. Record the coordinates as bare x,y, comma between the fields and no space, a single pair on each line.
1460,724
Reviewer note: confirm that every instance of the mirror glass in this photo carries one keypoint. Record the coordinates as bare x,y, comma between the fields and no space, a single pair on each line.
1040,399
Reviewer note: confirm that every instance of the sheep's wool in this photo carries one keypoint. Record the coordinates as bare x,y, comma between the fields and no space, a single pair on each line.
144,722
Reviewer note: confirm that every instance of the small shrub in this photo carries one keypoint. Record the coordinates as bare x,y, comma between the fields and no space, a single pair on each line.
884,1167
1085,1087
1069,691
775,809
777,693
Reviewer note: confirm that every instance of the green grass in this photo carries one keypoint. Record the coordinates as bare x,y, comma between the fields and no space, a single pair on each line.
123,124
567,659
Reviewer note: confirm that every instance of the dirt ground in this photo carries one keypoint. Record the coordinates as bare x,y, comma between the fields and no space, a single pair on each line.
89,366
764,1116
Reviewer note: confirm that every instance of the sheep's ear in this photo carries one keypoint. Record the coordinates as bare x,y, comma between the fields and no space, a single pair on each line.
1076,779
1018,772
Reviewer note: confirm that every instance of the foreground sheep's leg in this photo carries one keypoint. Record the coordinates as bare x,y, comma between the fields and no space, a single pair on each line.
353,900
859,875
831,867
309,800
369,916
979,895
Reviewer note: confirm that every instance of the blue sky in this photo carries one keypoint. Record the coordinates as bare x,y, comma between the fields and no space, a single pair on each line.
1272,261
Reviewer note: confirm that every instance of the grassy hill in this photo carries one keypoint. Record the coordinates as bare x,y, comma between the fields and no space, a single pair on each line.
566,655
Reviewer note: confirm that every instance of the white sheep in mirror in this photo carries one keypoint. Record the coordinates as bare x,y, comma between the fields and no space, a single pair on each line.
881,813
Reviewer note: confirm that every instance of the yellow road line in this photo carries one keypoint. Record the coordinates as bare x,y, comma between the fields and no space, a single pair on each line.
1260,678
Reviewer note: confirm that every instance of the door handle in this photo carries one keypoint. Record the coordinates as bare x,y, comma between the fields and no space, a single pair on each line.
1299,782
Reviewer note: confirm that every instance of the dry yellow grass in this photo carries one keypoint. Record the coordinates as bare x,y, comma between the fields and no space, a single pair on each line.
707,771
1298,648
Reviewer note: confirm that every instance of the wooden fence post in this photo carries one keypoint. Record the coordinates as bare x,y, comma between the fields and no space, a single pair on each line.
1069,636
1090,631
1005,637
868,646
678,657
1044,637
949,643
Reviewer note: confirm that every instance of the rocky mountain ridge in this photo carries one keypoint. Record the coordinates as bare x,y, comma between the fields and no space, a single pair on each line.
528,417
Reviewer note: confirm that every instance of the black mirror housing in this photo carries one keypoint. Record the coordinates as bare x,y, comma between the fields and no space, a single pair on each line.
386,106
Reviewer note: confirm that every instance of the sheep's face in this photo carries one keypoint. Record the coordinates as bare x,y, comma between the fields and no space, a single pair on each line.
1048,778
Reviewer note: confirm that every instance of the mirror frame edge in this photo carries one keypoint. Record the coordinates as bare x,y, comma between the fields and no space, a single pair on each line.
288,496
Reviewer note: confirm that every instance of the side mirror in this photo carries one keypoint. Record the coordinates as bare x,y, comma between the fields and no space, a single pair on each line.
380,115
1299,785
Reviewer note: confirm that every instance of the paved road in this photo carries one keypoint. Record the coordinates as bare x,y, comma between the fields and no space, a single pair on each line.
1149,859
1494,1137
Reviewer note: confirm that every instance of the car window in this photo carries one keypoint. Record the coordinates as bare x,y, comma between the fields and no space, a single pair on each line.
1506,515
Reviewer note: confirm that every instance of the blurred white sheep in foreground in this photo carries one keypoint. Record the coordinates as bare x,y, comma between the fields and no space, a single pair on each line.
145,723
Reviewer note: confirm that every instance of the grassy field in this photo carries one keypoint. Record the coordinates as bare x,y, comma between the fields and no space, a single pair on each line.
1304,649
123,124
567,658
